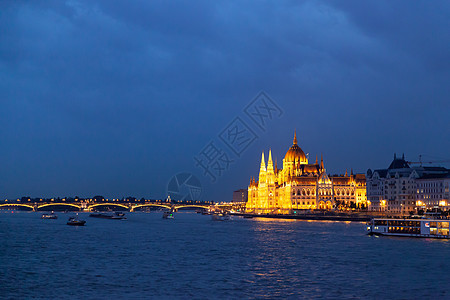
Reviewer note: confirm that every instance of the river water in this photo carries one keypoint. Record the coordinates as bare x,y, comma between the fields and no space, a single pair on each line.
193,257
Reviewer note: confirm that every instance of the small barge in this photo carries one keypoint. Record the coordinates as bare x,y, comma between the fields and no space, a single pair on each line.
424,228
111,216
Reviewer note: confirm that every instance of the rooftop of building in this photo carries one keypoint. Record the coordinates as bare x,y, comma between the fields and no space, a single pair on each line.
436,176
398,163
401,167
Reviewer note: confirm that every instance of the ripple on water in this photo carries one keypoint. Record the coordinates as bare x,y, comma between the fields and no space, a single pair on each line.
194,257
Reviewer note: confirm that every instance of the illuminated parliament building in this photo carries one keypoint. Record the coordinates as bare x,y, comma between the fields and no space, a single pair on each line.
301,185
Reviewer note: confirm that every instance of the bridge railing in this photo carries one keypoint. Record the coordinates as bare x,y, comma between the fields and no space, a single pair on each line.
88,206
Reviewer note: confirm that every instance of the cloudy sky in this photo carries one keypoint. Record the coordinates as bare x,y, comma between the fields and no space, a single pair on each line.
116,97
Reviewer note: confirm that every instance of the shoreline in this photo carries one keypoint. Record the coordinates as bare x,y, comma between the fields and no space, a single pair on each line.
313,217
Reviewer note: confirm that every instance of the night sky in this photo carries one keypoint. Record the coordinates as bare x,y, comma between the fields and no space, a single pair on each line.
116,97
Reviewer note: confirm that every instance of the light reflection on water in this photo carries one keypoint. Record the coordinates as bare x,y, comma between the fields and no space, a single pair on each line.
194,257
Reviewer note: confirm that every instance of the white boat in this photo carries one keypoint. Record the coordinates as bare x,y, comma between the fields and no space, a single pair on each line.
426,228
220,217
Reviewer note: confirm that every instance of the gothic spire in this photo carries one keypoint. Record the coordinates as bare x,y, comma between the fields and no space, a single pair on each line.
295,137
263,163
270,162
262,170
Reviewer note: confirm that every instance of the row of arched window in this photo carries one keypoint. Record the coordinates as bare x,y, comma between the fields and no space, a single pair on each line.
304,192
308,192
323,192
311,192
345,192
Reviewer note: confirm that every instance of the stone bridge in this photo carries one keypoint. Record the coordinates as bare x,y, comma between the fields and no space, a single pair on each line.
87,206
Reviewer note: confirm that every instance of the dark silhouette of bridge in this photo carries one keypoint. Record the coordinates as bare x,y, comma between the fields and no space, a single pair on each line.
87,206
91,206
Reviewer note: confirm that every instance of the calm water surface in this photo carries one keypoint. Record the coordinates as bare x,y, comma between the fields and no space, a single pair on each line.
195,257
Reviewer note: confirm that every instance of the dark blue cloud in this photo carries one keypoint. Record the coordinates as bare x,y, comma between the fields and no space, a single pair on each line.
113,97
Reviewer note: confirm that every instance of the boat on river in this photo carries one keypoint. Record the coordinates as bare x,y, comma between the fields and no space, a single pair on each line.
221,216
423,228
168,215
111,216
74,221
49,216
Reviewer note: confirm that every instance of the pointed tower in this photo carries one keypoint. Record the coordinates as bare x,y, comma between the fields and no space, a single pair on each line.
263,163
270,171
270,162
262,170
295,137
317,161
346,174
321,162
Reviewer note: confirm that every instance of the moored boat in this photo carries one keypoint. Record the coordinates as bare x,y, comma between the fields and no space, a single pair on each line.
168,215
74,221
112,216
52,215
425,228
221,216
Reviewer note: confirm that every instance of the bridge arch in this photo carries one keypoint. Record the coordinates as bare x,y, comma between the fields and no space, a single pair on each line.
59,204
17,204
108,204
191,206
150,204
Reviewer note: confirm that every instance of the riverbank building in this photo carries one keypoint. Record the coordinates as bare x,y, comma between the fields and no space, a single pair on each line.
300,185
402,189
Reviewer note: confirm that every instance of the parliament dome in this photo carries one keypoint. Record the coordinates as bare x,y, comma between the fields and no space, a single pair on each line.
295,153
